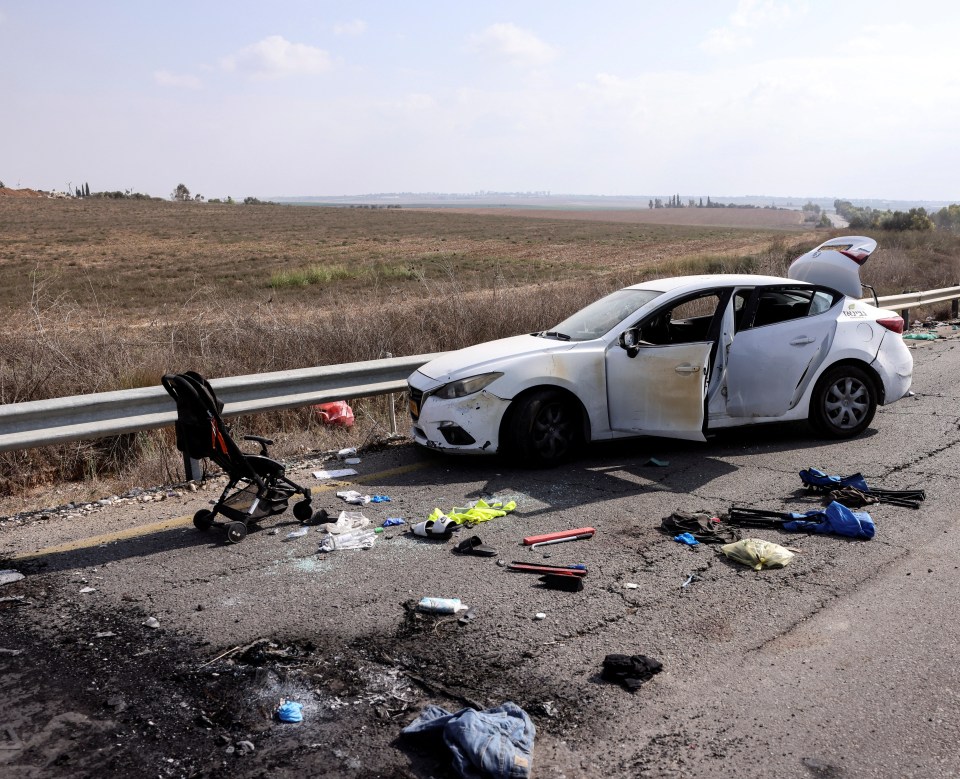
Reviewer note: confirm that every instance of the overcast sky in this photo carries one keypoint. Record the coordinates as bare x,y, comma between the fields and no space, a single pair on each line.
858,98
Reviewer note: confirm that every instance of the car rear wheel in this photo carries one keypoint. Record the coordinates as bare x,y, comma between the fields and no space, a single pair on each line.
543,429
843,403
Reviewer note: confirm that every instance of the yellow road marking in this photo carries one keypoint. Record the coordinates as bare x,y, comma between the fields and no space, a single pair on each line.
178,522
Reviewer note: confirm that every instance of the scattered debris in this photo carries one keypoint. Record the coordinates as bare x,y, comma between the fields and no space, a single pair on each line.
151,622
758,553
354,539
557,581
289,711
438,527
657,462
10,576
690,579
431,605
496,742
631,586
702,525
686,538
343,454
632,671
474,546
337,413
539,616
561,535
105,634
85,590
245,747
300,532
334,474
393,522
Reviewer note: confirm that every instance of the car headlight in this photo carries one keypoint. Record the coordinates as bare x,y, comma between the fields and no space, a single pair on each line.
463,387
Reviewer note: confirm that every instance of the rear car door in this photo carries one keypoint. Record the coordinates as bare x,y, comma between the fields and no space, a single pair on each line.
783,338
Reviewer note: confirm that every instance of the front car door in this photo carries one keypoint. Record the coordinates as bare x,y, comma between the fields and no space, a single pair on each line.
785,335
662,388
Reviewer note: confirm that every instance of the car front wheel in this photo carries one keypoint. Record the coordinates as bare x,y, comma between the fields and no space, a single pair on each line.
843,403
543,429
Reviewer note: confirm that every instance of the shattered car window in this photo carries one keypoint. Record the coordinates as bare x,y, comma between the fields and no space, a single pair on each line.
600,317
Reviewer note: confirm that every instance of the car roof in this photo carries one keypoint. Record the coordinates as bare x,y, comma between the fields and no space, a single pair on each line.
707,280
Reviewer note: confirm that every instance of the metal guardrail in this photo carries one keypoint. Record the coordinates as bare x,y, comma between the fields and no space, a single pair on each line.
909,300
80,417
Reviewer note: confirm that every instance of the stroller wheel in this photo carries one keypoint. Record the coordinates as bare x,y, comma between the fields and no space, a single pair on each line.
236,532
203,519
302,510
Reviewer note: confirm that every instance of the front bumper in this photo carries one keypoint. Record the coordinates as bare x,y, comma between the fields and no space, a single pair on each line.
469,425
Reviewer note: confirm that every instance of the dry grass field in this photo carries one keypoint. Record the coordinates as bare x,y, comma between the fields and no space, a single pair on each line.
98,295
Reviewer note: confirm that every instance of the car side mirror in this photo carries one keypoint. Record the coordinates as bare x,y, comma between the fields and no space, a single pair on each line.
630,341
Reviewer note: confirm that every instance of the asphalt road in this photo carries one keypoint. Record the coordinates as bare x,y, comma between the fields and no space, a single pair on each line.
842,664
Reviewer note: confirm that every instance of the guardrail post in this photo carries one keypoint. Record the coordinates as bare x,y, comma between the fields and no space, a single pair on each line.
192,468
905,313
392,411
955,306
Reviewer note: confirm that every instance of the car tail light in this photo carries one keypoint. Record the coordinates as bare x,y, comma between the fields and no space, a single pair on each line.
893,323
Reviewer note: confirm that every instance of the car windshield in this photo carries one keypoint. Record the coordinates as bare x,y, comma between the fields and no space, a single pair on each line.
598,318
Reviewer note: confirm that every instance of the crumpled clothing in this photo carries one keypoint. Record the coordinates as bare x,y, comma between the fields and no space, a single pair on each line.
835,518
630,670
495,742
686,538
481,511
393,522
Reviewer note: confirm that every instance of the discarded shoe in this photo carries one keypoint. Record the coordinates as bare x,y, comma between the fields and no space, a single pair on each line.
475,546
441,527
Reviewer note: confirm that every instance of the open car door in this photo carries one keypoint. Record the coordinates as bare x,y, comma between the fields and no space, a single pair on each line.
661,391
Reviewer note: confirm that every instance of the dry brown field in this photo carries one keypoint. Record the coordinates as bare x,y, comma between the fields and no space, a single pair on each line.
751,218
98,295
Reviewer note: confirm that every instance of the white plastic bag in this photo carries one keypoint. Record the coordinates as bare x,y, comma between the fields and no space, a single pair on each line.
347,521
355,539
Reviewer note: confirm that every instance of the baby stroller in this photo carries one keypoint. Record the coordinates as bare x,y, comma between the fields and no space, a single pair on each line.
257,486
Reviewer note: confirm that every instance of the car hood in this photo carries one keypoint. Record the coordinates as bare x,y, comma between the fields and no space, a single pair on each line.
487,356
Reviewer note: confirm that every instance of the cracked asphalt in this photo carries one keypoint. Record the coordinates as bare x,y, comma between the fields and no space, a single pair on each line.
842,664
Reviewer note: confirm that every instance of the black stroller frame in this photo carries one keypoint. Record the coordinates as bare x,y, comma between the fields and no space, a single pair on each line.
257,485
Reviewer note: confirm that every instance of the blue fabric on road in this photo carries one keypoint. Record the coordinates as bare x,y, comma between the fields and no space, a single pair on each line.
686,538
496,742
814,477
835,518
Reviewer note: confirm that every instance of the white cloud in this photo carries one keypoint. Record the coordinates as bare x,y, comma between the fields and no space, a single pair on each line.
724,40
766,13
354,27
180,80
517,46
751,15
275,56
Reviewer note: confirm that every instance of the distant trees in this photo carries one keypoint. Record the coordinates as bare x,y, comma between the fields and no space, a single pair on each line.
947,218
866,217
181,193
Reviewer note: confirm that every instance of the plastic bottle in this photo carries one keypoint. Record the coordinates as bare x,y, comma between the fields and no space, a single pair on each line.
440,605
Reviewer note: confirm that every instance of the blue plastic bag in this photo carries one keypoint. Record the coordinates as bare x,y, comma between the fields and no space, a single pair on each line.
835,518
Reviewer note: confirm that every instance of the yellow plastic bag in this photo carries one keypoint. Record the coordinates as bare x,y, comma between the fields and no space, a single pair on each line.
757,553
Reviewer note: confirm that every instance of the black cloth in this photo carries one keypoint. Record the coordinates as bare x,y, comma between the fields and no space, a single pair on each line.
630,670
700,525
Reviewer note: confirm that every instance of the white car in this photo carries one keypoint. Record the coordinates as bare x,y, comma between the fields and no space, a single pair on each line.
676,357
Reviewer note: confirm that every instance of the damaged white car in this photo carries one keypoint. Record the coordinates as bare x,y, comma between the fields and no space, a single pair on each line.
676,357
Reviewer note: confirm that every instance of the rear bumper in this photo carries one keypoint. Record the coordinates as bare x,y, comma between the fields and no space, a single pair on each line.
894,365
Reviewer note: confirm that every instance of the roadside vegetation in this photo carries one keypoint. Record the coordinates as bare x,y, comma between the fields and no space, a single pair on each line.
107,294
